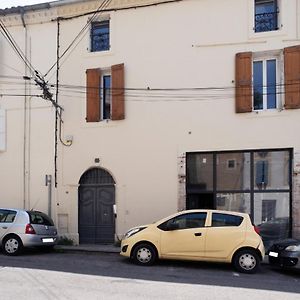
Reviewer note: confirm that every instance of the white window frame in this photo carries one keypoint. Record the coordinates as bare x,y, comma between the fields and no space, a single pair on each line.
102,105
264,57
99,19
281,18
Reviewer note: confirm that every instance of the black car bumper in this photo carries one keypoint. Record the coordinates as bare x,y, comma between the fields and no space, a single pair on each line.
286,259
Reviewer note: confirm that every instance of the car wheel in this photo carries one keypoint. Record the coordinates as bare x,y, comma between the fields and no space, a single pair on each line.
144,254
12,245
246,261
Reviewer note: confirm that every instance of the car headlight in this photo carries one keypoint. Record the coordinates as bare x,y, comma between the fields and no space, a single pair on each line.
293,248
133,231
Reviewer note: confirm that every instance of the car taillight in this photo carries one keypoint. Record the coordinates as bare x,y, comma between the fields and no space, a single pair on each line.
29,229
257,230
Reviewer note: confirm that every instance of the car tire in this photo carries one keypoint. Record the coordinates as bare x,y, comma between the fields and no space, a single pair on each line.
12,245
144,254
246,261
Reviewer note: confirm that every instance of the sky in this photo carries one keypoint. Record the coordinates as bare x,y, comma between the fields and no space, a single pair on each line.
10,3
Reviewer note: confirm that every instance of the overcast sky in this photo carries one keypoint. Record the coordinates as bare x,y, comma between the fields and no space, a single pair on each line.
10,3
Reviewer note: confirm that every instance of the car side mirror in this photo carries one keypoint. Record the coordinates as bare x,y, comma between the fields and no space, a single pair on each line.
173,226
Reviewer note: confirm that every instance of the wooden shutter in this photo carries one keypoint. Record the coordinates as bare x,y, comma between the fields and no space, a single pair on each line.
292,77
118,95
243,80
93,78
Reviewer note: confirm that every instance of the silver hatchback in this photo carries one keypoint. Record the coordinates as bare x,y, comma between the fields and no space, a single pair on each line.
21,228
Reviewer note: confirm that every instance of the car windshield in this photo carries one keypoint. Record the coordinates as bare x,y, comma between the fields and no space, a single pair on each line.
40,218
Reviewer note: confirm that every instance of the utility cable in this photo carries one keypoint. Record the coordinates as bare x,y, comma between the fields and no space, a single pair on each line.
104,4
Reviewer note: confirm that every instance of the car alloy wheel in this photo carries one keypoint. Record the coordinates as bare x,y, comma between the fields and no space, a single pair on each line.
12,245
246,261
144,254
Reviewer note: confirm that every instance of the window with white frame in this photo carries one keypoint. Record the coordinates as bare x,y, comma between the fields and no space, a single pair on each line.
100,36
106,97
266,83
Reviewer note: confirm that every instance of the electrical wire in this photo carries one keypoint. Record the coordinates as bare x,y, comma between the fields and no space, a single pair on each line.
15,46
83,31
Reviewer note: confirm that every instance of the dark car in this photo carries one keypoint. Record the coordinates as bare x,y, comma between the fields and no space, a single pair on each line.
274,230
285,254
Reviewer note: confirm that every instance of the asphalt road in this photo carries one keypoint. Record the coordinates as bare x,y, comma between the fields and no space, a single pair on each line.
36,275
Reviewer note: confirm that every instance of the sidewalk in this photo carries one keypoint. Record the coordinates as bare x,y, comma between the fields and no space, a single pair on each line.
89,248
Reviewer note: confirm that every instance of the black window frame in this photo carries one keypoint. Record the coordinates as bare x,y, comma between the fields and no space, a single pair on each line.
252,191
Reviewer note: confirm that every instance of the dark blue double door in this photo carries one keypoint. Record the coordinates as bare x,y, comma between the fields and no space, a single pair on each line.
96,214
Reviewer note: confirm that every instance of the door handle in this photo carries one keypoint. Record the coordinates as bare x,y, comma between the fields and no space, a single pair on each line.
4,227
198,234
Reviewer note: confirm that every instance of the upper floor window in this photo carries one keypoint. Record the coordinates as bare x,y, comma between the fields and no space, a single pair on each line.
106,103
100,40
265,84
266,15
105,94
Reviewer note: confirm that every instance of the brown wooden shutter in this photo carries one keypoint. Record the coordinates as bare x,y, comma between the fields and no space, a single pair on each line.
243,82
93,79
292,77
118,95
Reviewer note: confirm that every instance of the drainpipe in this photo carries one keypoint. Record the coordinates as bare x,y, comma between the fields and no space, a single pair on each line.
25,137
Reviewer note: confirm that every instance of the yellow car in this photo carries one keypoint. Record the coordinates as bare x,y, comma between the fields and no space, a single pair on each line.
204,235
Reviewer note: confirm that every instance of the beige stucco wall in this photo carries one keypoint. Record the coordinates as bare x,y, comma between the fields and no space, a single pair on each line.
186,44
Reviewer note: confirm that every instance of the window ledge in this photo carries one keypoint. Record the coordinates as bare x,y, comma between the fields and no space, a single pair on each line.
100,124
90,54
267,34
267,112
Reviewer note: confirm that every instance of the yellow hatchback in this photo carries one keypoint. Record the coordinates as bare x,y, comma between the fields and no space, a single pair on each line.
203,235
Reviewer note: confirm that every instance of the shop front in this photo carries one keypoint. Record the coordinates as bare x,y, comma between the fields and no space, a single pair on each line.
258,182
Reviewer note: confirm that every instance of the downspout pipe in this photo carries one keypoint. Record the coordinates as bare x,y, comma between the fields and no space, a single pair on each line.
25,137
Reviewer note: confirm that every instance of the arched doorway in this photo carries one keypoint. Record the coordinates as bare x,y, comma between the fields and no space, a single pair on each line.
96,217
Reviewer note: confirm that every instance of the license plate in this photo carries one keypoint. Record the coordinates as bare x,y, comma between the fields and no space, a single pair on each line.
274,254
48,240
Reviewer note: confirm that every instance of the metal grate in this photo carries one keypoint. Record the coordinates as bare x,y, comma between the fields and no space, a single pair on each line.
96,176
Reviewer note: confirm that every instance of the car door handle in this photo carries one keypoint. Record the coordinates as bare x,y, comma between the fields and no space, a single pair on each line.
198,234
4,227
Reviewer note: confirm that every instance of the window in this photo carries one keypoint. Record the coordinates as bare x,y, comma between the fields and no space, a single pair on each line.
39,218
220,220
267,80
231,164
265,84
186,221
261,176
100,36
266,15
7,216
106,102
260,185
105,94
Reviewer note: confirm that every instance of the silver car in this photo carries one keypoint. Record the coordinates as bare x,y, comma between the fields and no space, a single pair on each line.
21,228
